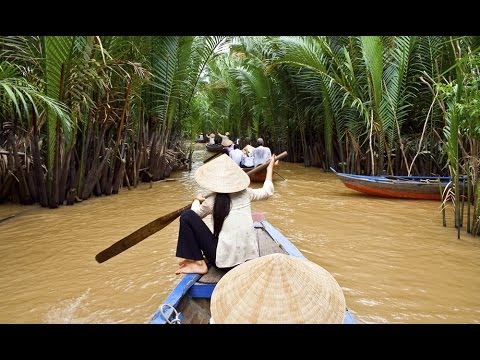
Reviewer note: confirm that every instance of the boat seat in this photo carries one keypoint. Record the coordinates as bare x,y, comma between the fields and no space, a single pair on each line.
266,246
213,276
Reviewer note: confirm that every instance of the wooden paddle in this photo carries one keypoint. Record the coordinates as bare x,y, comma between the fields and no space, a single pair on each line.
265,164
155,225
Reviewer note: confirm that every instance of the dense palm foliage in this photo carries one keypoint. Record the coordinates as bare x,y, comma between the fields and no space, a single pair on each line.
360,104
83,115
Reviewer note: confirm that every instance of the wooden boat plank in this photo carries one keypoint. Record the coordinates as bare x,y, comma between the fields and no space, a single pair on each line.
281,240
213,276
265,244
195,310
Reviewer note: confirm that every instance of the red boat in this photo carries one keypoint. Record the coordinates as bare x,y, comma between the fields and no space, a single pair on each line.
406,187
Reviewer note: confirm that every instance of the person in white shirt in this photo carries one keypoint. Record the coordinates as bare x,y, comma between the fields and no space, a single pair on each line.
236,155
227,145
211,139
261,153
224,137
233,240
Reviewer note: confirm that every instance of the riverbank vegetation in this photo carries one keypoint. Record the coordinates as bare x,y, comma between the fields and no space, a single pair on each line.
86,115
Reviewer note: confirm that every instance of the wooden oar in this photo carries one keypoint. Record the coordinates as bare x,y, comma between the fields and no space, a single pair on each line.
7,217
154,226
138,235
265,164
275,172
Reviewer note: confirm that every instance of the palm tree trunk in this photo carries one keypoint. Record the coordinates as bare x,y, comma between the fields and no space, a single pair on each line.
64,176
25,197
54,190
37,166
31,184
94,176
105,187
80,176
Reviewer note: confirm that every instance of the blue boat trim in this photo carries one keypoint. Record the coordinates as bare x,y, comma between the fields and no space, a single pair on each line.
175,296
201,290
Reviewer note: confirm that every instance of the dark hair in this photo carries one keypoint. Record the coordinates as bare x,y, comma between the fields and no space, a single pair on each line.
221,209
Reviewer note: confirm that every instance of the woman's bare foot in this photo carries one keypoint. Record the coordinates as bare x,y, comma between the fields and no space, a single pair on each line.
184,261
192,267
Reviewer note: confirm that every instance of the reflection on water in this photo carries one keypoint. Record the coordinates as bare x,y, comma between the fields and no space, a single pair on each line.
393,258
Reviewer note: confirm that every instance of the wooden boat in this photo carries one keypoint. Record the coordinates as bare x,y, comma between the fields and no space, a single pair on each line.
214,147
257,176
259,173
189,301
406,187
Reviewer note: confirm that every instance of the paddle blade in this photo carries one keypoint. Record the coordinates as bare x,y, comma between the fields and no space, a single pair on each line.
138,235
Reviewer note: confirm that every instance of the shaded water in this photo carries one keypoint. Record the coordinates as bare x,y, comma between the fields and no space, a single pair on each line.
393,258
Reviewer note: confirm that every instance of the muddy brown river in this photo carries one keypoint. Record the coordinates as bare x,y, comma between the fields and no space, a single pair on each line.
393,258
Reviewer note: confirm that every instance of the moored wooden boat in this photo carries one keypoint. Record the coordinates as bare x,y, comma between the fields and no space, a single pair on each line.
405,187
189,301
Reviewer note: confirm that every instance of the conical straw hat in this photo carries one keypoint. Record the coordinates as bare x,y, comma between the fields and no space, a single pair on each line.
227,142
212,135
279,289
222,175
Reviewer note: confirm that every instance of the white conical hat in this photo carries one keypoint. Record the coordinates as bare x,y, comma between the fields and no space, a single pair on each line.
222,175
277,289
226,142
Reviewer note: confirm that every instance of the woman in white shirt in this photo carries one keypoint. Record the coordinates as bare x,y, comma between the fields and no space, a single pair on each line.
233,240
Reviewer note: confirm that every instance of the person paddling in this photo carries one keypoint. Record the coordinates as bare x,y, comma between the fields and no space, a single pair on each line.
233,240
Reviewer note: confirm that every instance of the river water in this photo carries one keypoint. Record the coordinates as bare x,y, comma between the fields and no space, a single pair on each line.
393,258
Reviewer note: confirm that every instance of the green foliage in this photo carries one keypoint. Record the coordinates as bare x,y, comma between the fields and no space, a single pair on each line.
18,98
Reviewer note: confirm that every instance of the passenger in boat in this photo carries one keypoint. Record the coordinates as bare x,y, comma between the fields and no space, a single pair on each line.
211,139
227,145
261,153
248,150
224,137
247,159
233,240
236,155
